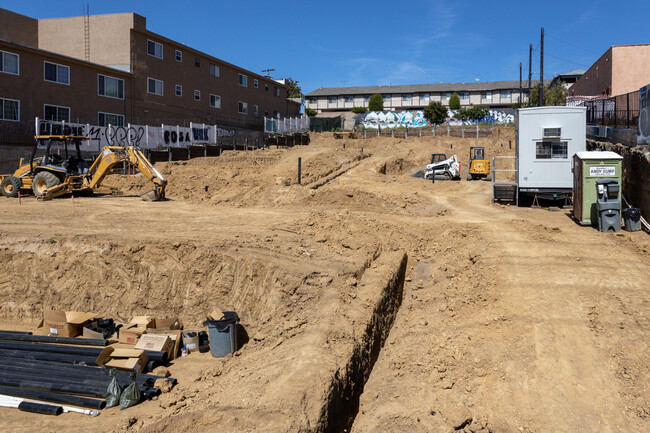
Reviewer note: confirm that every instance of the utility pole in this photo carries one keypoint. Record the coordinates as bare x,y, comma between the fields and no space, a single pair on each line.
541,71
530,71
520,82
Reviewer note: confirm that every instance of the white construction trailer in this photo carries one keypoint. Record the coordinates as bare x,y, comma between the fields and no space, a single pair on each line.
546,140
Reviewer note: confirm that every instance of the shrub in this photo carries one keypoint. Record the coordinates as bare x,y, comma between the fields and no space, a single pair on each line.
359,110
454,101
435,112
310,112
376,103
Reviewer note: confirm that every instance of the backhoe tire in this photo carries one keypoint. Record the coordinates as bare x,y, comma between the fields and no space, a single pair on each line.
43,181
10,186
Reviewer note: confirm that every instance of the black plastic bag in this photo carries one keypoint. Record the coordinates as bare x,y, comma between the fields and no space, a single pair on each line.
114,391
131,395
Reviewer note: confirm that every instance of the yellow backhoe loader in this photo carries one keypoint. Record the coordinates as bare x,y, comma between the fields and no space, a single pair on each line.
53,174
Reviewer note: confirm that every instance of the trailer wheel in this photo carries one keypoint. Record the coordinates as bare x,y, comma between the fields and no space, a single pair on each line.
43,181
10,186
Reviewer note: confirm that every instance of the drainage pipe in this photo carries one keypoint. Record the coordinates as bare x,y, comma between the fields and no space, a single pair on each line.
45,356
39,384
73,400
57,340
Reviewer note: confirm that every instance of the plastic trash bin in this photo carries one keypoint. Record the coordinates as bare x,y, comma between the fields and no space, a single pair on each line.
632,219
223,334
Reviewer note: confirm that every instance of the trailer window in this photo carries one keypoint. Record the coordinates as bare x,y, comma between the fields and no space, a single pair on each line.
552,150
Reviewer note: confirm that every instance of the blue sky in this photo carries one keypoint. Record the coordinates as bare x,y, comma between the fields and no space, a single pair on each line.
359,43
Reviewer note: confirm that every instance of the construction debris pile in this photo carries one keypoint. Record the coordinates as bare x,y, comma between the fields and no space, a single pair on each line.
76,362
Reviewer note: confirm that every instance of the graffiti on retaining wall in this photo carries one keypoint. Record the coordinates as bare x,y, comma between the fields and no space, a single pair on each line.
644,115
415,119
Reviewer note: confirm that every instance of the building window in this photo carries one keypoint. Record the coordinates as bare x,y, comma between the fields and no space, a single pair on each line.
197,62
366,99
486,95
197,95
243,80
9,109
243,107
56,113
406,99
266,112
276,91
178,55
276,114
256,83
506,94
215,71
349,99
552,150
266,87
332,100
552,132
447,96
464,96
386,99
8,62
57,73
154,49
215,101
424,98
106,119
179,90
256,110
110,87
154,86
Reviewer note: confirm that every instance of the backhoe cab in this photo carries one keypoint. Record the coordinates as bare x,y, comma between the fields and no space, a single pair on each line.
61,169
479,165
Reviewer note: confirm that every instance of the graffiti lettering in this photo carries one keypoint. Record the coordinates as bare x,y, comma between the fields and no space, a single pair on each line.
415,119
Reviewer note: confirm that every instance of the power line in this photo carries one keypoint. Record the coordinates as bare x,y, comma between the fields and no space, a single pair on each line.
573,45
566,60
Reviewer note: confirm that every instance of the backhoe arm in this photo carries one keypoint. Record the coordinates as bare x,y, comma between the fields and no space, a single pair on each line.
113,155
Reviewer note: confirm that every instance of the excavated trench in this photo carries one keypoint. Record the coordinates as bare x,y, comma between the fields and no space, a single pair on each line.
347,385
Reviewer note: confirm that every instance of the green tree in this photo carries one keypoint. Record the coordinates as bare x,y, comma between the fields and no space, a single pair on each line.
376,103
435,112
359,110
310,112
475,112
293,89
553,95
454,101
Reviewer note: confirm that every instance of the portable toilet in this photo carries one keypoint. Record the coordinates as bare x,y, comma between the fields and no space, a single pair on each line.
588,167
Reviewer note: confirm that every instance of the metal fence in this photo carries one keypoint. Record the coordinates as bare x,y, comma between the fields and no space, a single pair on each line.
288,125
620,111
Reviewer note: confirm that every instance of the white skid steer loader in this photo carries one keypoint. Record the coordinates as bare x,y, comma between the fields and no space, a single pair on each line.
445,168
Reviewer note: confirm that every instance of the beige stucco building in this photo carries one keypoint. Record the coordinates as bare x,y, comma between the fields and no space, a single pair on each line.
622,69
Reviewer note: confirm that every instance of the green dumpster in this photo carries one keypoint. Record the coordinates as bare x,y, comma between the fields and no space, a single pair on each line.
587,168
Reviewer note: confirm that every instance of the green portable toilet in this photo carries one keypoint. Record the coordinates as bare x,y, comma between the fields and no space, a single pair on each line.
588,167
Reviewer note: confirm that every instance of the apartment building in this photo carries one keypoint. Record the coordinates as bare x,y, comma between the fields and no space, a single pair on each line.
493,94
102,69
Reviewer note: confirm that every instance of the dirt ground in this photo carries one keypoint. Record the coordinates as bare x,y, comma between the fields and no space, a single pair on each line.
503,319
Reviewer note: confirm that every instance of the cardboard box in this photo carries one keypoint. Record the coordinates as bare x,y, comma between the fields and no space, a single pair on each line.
160,343
94,335
191,343
144,321
175,335
124,359
64,323
130,334
166,324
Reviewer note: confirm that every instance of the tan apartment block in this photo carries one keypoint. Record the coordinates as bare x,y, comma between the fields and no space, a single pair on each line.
493,94
622,69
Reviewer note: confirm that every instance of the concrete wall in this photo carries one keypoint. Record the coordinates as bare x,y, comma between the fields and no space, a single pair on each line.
636,172
18,28
110,37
